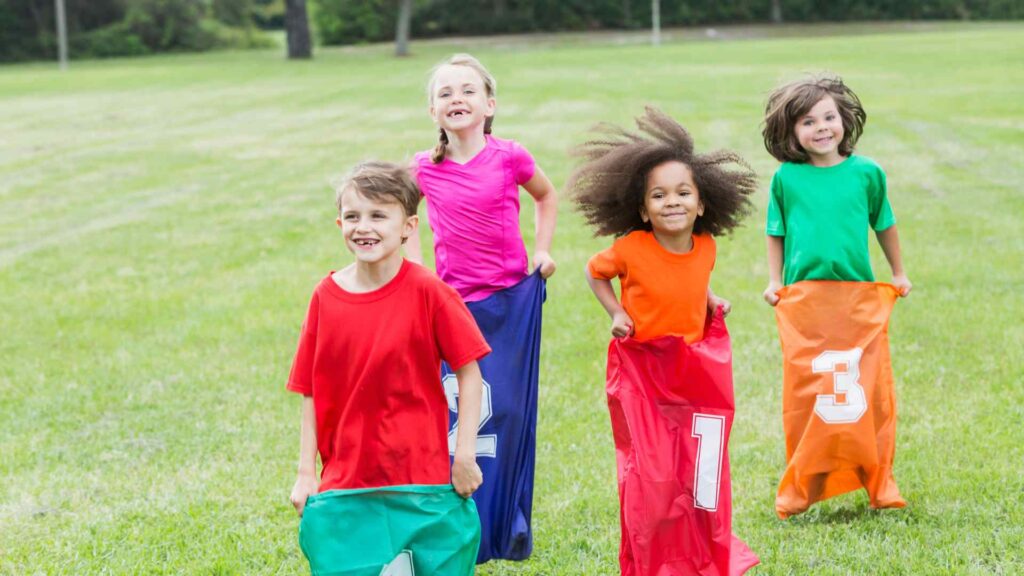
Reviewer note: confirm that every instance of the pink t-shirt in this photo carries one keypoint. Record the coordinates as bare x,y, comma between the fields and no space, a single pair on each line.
473,210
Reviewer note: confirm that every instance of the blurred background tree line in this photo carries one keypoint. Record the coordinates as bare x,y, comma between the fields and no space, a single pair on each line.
104,28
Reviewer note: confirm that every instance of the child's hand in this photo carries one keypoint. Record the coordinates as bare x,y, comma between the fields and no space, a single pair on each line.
305,486
715,301
902,283
544,261
622,325
466,475
770,295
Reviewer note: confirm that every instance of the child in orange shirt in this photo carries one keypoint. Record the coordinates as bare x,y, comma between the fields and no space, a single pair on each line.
664,203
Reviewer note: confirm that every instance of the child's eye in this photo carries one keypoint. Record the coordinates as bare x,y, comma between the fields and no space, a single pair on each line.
808,122
349,217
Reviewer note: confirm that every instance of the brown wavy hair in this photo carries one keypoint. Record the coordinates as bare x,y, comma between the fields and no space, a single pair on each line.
609,187
381,182
490,85
788,103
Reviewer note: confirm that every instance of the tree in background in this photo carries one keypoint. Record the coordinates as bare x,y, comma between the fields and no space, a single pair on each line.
237,13
402,28
296,24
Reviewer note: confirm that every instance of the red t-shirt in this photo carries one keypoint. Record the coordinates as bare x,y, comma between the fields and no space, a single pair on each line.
372,363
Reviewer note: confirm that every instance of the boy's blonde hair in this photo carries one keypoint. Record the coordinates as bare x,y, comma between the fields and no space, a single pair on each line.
381,182
490,85
790,102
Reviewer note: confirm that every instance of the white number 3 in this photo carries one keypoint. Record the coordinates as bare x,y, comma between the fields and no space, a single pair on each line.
845,382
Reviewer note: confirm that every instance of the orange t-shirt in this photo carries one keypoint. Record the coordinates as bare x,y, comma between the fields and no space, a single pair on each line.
663,292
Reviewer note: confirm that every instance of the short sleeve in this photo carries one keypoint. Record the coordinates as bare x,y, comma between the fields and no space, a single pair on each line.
880,212
605,265
522,163
458,337
776,222
416,168
300,379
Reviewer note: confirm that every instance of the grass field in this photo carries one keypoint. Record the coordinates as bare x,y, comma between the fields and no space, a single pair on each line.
163,221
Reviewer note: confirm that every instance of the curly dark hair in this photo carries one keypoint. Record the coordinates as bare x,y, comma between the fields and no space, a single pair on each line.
609,186
788,103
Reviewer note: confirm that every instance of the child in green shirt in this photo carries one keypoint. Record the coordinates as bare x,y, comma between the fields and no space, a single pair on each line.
823,197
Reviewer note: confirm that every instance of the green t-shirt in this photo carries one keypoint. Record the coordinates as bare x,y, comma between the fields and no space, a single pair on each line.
824,215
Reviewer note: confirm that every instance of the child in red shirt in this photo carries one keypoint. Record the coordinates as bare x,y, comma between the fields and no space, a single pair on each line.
370,352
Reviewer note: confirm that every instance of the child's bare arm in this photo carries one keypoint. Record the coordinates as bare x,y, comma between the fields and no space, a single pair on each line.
545,198
622,324
714,301
776,250
889,240
466,475
306,483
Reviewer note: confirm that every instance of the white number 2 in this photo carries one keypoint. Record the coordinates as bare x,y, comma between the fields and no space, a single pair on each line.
827,406
709,430
486,445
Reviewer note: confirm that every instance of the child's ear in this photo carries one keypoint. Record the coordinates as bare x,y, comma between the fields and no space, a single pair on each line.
643,214
411,224
492,106
700,208
338,221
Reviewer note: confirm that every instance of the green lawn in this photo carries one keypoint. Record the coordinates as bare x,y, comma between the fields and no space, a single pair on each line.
163,221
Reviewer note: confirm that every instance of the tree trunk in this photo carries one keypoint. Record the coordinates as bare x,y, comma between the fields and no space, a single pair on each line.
62,35
402,28
777,11
656,22
296,24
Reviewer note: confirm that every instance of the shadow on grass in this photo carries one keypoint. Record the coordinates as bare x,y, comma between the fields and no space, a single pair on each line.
837,513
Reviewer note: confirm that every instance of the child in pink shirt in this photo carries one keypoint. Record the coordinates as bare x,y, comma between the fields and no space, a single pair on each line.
471,182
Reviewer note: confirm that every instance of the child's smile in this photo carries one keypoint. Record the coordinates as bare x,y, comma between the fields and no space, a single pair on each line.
373,230
820,132
671,203
459,98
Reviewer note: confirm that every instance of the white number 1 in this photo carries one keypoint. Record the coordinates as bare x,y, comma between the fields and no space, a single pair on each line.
486,445
846,382
709,430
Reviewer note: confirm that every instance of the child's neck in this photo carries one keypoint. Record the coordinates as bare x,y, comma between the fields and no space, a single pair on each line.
826,161
675,243
360,277
465,145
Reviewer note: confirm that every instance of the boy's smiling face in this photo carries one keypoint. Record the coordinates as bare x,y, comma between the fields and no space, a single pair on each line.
373,230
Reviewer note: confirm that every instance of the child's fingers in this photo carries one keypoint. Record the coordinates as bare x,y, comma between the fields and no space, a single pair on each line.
298,503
